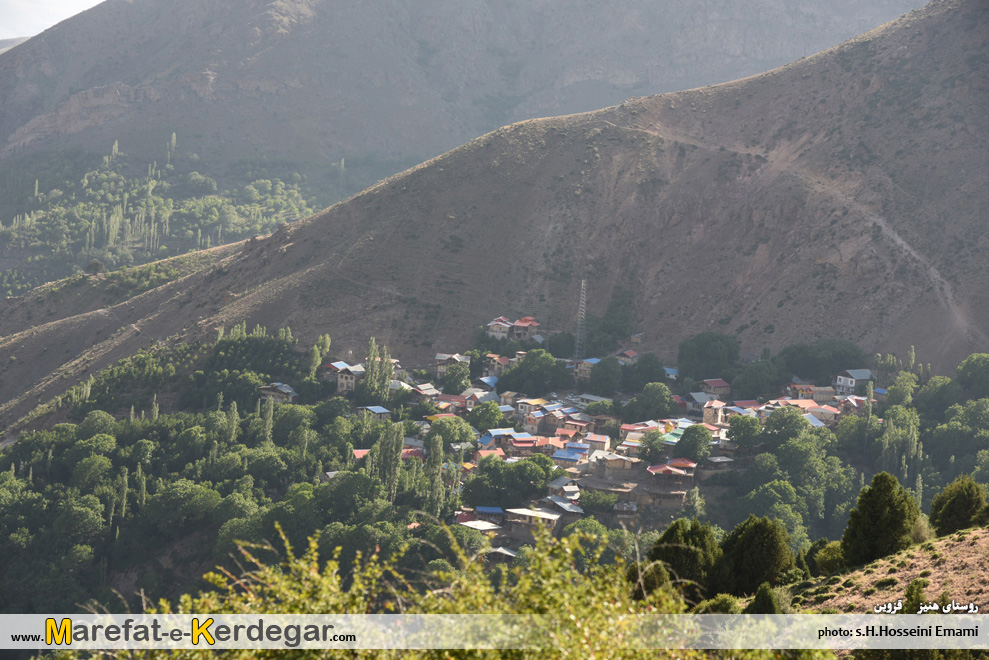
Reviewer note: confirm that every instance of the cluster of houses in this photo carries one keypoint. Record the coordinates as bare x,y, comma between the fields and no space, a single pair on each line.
524,329
821,406
594,462
574,440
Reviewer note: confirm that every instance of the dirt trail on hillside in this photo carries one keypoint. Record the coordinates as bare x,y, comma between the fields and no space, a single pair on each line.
942,288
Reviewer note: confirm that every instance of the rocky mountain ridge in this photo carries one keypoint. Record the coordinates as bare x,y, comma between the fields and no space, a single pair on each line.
385,84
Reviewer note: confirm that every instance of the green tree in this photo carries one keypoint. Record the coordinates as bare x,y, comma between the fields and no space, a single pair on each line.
830,558
434,472
900,393
973,375
647,369
937,395
485,416
694,504
535,374
694,444
96,422
764,602
784,424
689,551
961,504
744,431
453,430
756,379
373,388
180,506
457,379
881,522
756,551
95,267
720,604
606,377
653,449
596,534
707,355
654,402
914,596
598,501
91,472
820,360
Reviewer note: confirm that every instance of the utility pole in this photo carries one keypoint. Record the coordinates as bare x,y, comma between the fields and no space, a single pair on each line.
578,345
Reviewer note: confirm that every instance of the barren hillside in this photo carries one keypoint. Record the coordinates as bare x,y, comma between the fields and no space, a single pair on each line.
841,196
381,83
952,566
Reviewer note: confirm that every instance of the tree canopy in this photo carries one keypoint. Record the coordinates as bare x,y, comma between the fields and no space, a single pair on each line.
881,522
961,504
707,355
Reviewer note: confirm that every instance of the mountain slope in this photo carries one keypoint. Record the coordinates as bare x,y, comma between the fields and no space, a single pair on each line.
380,83
840,196
950,565
7,44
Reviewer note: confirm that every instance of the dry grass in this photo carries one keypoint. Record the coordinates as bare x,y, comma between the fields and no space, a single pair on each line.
955,565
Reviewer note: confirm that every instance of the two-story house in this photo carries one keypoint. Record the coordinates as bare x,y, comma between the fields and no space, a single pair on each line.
847,381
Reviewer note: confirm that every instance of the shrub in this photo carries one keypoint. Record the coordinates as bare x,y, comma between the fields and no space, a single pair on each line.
958,506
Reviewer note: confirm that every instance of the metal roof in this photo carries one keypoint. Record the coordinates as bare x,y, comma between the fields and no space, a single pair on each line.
481,525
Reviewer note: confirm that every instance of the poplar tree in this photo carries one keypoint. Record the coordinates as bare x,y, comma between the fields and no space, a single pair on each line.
142,487
123,492
268,415
233,423
434,473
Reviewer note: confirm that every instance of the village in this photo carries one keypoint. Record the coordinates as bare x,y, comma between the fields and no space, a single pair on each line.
594,452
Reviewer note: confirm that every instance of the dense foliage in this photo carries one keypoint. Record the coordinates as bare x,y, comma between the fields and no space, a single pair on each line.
881,522
90,218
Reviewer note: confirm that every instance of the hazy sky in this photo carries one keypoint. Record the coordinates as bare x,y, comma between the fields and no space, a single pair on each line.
26,18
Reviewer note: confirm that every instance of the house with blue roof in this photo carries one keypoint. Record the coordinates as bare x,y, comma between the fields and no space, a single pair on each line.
565,458
582,370
379,413
488,382
494,514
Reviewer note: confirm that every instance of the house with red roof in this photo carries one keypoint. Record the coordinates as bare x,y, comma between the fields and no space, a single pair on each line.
522,446
827,414
713,412
628,358
495,365
456,403
670,476
524,329
598,441
548,446
481,453
684,464
717,388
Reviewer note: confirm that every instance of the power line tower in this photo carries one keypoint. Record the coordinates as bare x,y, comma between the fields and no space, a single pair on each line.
578,345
